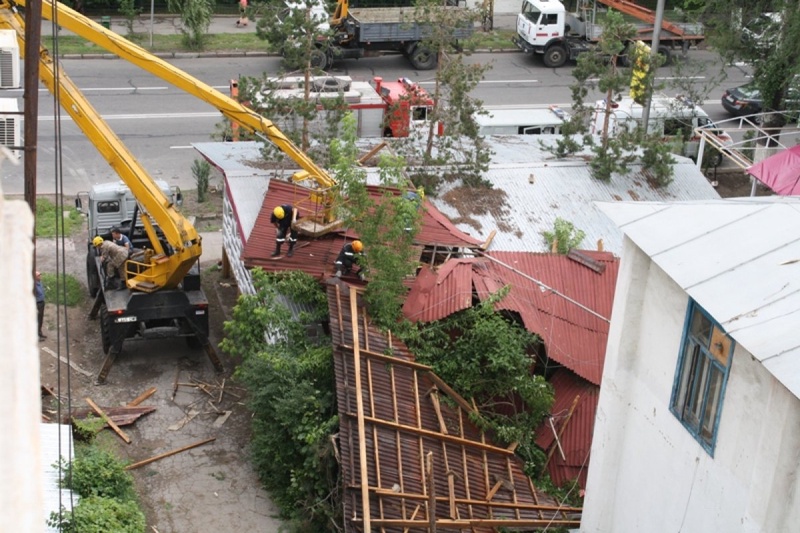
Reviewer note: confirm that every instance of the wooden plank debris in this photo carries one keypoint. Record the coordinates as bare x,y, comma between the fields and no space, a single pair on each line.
64,360
169,453
221,419
142,397
108,420
185,420
122,416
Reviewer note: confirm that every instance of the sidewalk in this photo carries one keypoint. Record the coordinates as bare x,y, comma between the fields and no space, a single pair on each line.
171,24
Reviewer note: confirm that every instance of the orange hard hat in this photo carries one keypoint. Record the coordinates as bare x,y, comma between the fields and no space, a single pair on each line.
358,246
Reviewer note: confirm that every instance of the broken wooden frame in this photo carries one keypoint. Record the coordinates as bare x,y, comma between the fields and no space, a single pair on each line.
411,457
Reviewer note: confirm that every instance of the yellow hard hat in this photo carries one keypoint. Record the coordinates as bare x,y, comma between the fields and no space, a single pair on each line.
279,212
97,241
358,246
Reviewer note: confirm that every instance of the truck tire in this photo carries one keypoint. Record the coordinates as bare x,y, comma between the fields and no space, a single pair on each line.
555,56
422,58
319,59
92,276
666,55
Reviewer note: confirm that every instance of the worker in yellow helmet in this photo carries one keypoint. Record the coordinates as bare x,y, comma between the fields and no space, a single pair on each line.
114,257
282,218
348,257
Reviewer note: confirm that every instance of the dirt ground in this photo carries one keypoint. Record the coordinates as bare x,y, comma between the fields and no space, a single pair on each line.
210,488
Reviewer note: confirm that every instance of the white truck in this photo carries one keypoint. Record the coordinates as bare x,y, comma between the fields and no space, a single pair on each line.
549,29
672,118
508,120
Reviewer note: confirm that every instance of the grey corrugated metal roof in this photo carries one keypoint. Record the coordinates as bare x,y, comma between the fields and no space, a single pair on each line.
540,188
739,259
246,184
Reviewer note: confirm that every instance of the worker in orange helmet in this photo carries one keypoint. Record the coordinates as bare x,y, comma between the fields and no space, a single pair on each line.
283,217
348,257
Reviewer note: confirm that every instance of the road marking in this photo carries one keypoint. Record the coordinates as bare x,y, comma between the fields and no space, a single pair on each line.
155,116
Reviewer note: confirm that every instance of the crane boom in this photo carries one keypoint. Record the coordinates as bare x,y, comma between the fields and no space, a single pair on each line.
164,271
230,108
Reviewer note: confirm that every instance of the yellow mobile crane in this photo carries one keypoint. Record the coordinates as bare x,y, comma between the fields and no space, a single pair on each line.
163,289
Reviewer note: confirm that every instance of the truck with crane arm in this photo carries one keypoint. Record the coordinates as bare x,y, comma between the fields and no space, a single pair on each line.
162,290
547,28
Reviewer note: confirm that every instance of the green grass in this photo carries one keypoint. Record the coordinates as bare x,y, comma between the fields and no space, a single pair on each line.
68,291
233,42
47,214
219,42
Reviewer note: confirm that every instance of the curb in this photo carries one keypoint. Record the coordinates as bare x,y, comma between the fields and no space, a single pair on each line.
228,54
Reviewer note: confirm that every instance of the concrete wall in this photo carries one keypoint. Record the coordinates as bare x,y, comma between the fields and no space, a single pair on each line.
21,489
647,472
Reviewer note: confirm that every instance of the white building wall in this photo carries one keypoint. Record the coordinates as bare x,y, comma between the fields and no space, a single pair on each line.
647,472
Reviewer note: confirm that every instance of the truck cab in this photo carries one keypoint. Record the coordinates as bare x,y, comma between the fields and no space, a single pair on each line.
521,121
672,118
538,23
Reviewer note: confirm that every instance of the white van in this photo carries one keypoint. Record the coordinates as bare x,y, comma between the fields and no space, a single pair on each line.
670,117
502,120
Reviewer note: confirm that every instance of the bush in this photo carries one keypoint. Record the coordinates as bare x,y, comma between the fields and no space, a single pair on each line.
100,515
97,472
201,170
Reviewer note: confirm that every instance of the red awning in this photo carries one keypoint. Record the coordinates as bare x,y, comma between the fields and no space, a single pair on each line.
780,172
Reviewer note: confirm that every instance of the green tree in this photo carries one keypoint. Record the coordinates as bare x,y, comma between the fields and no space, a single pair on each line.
195,19
485,357
129,10
290,376
565,236
299,33
766,35
386,226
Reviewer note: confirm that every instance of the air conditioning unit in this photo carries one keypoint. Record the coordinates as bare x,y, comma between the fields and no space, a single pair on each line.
11,125
9,60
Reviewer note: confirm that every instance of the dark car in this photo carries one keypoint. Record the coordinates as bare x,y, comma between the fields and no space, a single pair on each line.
746,100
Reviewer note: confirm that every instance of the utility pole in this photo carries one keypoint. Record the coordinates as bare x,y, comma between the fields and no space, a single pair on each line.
654,57
30,98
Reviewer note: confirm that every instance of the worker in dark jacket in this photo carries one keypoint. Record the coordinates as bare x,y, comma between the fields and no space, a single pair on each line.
347,257
38,291
282,218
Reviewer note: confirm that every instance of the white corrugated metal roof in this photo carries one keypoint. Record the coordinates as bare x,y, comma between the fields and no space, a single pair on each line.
56,441
739,259
540,188
245,182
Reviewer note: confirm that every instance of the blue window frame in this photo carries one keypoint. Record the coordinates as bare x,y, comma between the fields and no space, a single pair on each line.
701,376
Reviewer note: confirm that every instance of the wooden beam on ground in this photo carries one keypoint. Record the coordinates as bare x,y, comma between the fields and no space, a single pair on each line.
142,397
108,420
64,360
167,454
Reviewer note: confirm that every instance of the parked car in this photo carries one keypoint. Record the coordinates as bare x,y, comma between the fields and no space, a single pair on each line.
746,100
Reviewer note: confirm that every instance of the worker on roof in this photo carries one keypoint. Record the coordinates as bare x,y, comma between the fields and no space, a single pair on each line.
348,257
114,257
282,218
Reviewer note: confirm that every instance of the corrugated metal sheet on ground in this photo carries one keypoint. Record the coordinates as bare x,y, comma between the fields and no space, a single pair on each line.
738,258
407,415
576,429
571,335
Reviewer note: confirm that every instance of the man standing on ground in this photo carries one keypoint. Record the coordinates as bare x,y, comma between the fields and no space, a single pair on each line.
38,291
282,218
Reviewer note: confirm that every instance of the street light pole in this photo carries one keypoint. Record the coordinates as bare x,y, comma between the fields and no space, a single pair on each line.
152,16
654,55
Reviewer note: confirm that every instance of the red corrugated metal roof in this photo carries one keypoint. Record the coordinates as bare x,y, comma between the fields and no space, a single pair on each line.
480,485
571,335
316,256
576,438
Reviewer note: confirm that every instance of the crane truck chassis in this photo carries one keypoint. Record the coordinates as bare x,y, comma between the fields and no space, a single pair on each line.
162,292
